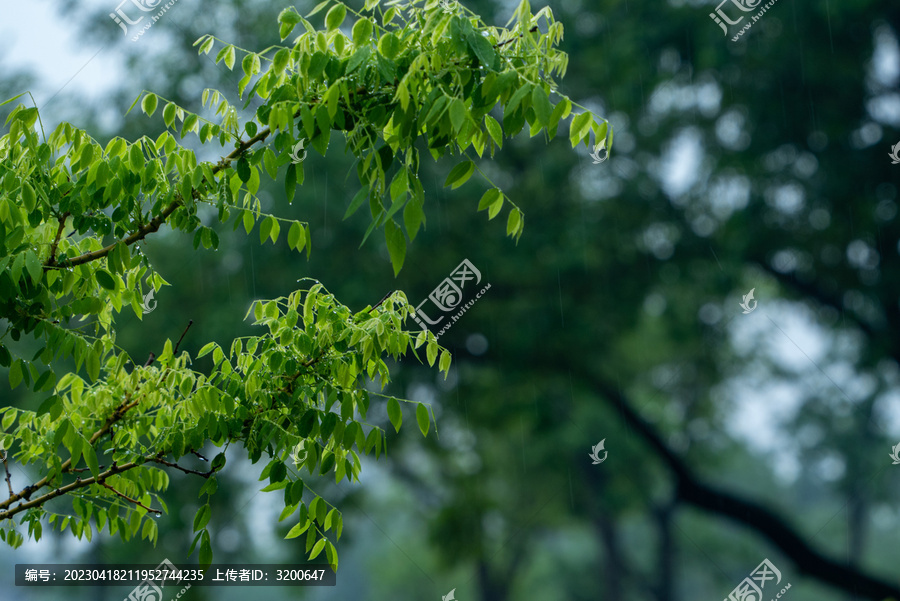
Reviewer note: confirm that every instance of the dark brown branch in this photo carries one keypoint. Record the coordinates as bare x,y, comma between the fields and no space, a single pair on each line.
58,492
129,499
510,40
183,469
749,513
199,455
51,261
66,467
8,478
175,352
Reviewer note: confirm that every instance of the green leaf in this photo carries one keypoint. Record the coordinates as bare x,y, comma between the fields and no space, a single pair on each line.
33,266
396,244
359,57
264,228
541,105
516,98
90,458
136,156
317,549
494,130
201,518
318,8
422,419
207,46
148,104
362,31
105,279
357,201
218,462
206,553
389,46
15,373
295,235
331,98
457,114
275,229
413,216
169,114
335,16
28,197
495,208
581,123
394,413
92,364
482,49
297,530
229,57
431,351
444,363
460,174
489,198
512,223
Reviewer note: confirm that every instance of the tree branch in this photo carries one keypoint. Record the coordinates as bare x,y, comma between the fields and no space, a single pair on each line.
157,221
183,469
66,467
190,323
129,499
62,225
8,478
749,513
78,483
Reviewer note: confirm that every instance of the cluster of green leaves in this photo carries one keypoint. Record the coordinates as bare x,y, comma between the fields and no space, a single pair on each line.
301,382
73,211
430,74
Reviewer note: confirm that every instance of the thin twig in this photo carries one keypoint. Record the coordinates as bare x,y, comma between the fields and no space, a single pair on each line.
199,455
532,30
62,225
127,498
8,479
175,352
183,469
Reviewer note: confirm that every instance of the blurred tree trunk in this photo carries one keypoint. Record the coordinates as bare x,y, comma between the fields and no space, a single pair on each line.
612,566
666,552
